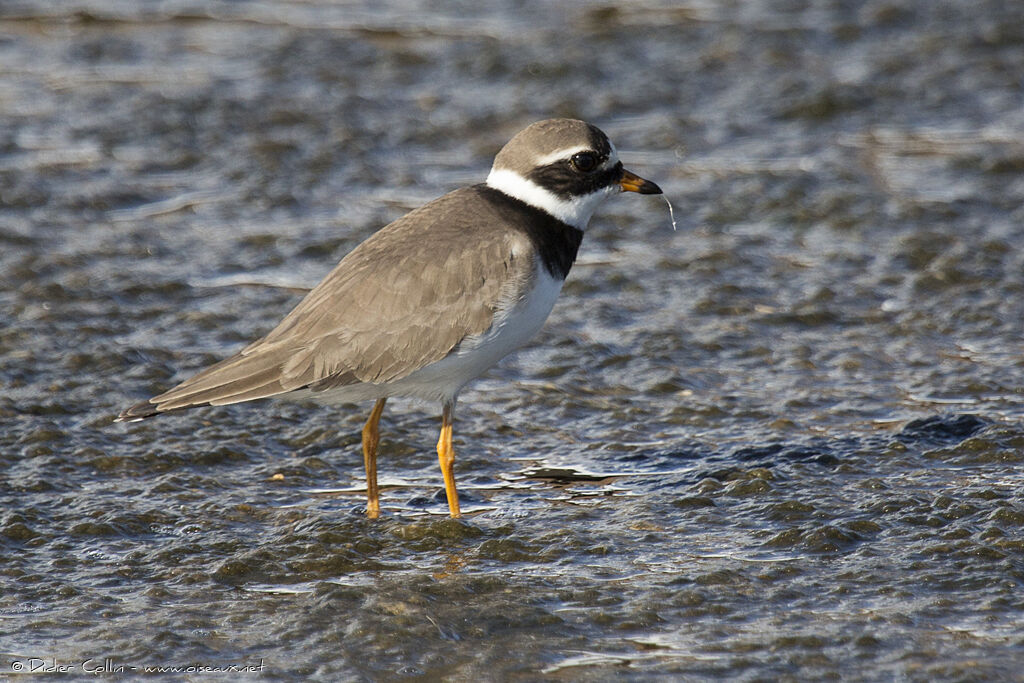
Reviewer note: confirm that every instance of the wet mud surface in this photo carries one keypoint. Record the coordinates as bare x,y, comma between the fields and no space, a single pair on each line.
783,442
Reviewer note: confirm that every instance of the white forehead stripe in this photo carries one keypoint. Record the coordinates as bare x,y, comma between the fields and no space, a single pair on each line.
575,212
561,154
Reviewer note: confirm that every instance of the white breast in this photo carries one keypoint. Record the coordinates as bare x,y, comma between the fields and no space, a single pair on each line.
513,326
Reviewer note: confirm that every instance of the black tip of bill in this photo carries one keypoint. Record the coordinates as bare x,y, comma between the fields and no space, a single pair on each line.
631,182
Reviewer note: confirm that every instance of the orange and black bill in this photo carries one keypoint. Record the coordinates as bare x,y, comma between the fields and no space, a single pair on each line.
631,182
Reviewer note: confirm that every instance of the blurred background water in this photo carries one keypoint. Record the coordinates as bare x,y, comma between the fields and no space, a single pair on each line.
782,442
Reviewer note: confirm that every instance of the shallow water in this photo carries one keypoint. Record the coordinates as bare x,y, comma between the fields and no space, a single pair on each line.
782,442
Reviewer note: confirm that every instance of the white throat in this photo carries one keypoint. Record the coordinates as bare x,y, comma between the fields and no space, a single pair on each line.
575,212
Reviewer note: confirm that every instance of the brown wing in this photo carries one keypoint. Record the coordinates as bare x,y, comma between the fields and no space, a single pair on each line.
399,301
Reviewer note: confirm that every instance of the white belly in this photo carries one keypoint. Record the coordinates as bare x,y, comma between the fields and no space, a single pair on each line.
442,380
511,329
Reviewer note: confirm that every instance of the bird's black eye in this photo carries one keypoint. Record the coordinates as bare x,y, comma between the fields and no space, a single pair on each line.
584,161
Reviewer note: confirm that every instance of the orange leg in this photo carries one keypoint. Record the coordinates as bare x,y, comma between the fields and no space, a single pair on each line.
371,437
446,456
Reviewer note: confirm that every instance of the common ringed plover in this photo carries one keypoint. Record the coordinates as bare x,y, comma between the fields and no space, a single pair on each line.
434,299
